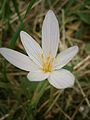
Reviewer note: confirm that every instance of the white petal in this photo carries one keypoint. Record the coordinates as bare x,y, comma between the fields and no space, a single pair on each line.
18,59
64,57
32,48
50,34
61,79
37,76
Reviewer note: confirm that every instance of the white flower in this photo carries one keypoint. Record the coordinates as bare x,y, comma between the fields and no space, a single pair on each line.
42,63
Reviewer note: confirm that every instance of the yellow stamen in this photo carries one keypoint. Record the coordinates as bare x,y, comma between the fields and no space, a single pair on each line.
47,64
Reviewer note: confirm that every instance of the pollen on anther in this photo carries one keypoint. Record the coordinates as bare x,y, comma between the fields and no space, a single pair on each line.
47,64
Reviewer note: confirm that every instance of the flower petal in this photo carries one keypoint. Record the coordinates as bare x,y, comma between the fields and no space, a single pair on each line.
64,57
18,59
50,34
61,79
37,75
32,48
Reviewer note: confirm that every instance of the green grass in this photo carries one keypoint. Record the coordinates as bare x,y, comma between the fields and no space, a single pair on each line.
21,99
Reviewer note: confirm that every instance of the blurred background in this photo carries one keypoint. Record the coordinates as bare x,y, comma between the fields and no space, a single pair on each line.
21,99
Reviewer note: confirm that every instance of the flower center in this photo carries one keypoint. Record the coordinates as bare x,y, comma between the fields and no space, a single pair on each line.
47,64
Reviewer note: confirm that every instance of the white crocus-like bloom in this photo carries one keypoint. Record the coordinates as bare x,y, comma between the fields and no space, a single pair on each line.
42,63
